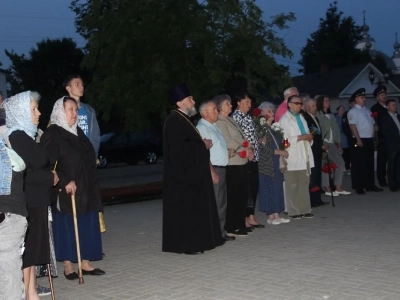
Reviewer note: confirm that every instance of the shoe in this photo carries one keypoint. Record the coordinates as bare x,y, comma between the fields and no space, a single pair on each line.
315,205
345,193
193,252
43,291
374,189
95,272
239,232
283,220
360,191
229,238
308,216
335,194
295,217
257,226
249,229
393,189
273,222
71,276
383,184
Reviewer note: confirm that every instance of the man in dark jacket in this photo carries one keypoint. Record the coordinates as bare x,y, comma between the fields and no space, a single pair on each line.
390,128
190,217
380,108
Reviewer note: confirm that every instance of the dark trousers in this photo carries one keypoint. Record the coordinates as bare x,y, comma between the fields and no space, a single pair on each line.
381,162
347,157
253,187
315,177
393,169
362,165
237,178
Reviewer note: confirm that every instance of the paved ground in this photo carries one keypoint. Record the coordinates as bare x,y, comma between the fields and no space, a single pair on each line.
348,252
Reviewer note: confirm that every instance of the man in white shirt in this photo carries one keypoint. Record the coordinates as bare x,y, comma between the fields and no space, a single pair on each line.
219,157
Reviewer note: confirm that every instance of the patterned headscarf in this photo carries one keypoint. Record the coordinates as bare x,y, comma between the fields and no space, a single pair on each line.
18,113
59,117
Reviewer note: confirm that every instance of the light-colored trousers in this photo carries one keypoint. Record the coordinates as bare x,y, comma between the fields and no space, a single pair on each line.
297,192
12,234
336,157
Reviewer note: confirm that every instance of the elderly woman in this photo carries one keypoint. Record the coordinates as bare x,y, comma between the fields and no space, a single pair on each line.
236,171
340,111
332,139
68,145
13,222
22,119
299,162
271,197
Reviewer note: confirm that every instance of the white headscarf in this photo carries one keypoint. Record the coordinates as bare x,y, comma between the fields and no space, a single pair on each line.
18,113
59,117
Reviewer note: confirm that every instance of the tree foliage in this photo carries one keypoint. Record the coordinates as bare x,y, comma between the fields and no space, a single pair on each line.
44,70
139,49
333,44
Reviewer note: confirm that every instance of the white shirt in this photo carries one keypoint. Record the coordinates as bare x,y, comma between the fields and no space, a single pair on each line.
361,117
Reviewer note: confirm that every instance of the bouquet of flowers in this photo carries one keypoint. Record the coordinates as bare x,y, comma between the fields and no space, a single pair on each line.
278,128
259,121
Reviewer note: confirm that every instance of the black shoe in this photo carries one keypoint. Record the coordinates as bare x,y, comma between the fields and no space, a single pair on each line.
308,216
193,252
95,272
360,191
383,183
315,205
71,276
296,217
249,229
239,232
257,226
324,203
374,189
229,238
393,189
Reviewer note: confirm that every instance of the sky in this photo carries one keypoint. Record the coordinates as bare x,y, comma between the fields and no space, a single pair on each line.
25,22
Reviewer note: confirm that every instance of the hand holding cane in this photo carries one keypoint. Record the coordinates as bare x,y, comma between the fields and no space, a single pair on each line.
78,248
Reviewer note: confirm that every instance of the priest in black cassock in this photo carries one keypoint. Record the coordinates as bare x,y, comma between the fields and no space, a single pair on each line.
190,216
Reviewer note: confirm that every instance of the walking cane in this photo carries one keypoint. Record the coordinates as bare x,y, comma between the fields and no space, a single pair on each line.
78,248
53,297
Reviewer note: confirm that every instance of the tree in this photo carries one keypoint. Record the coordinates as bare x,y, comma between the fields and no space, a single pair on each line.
137,50
44,70
333,44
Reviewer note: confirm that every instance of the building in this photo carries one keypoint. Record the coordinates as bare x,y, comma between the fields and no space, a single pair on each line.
3,83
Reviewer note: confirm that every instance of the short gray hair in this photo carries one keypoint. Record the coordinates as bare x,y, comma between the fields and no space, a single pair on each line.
308,101
304,97
35,96
288,91
218,100
266,105
204,105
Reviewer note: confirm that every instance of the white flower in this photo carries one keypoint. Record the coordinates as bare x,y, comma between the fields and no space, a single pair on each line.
263,121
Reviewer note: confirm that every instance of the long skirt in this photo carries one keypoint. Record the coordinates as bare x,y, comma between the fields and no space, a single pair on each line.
89,236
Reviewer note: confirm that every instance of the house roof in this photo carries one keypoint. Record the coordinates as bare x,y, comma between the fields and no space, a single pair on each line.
331,83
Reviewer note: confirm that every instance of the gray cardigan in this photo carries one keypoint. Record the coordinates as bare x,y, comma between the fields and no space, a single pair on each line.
327,123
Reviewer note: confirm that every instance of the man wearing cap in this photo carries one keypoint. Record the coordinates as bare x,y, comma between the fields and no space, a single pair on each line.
362,161
190,217
380,108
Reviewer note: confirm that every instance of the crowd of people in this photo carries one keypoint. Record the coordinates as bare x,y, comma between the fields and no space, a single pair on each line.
286,159
53,170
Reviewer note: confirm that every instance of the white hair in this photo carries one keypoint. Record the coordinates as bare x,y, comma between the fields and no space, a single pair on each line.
288,91
308,101
204,105
266,105
35,96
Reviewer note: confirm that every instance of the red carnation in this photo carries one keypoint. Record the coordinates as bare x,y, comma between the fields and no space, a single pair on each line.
256,112
374,114
243,154
325,168
245,144
333,166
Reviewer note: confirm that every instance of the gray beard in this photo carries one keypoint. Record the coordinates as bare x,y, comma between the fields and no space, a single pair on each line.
191,112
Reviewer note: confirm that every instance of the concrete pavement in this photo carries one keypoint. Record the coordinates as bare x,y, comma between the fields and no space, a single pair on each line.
349,252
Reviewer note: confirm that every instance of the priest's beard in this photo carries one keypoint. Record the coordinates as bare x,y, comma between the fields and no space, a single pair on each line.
191,111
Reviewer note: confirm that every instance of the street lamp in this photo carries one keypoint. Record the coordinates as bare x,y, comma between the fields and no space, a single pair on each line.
371,77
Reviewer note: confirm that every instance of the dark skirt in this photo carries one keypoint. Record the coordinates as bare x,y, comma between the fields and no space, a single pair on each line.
37,248
89,236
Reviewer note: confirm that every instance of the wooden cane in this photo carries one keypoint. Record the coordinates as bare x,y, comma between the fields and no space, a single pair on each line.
78,248
53,296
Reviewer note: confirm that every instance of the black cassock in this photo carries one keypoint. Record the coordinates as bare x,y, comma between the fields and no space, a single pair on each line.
190,217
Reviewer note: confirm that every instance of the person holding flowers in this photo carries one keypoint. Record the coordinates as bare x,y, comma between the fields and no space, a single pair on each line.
332,139
270,195
240,152
299,162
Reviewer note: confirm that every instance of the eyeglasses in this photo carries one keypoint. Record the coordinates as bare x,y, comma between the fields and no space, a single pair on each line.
297,103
